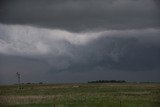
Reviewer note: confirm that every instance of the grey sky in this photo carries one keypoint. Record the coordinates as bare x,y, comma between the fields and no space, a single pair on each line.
80,15
79,40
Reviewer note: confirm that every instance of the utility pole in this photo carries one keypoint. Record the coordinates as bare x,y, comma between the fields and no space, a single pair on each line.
19,78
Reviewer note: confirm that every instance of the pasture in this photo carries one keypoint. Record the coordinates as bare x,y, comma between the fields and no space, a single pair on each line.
81,95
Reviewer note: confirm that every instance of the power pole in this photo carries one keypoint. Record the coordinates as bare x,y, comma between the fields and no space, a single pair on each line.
19,78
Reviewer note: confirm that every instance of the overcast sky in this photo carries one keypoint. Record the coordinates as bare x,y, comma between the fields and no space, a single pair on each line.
57,41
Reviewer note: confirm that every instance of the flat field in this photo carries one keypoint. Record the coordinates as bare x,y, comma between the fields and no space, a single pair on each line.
81,95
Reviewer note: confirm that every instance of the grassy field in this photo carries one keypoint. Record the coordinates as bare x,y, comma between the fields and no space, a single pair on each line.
81,95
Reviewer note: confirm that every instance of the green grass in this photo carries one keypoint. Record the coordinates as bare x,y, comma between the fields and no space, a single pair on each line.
81,95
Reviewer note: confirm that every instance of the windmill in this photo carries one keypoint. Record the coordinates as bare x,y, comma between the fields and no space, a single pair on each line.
19,78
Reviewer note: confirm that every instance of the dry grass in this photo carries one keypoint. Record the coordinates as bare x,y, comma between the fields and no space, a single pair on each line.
78,95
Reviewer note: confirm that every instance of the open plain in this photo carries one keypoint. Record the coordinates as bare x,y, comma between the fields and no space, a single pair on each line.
81,95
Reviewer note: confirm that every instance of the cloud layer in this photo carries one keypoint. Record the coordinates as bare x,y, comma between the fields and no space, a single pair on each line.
57,51
30,41
82,15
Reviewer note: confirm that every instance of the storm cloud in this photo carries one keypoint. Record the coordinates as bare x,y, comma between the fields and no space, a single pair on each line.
79,40
82,15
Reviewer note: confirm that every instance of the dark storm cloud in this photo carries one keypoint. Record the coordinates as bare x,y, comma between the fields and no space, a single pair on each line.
125,54
57,55
157,2
104,58
80,15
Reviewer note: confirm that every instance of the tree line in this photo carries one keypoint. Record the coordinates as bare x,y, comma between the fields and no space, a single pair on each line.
107,81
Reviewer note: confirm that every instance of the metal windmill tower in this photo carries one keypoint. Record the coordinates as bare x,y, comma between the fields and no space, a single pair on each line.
19,78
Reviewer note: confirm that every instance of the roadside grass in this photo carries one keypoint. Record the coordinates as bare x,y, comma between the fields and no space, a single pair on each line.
81,95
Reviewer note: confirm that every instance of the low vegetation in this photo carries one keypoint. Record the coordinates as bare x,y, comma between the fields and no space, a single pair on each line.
108,81
81,95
